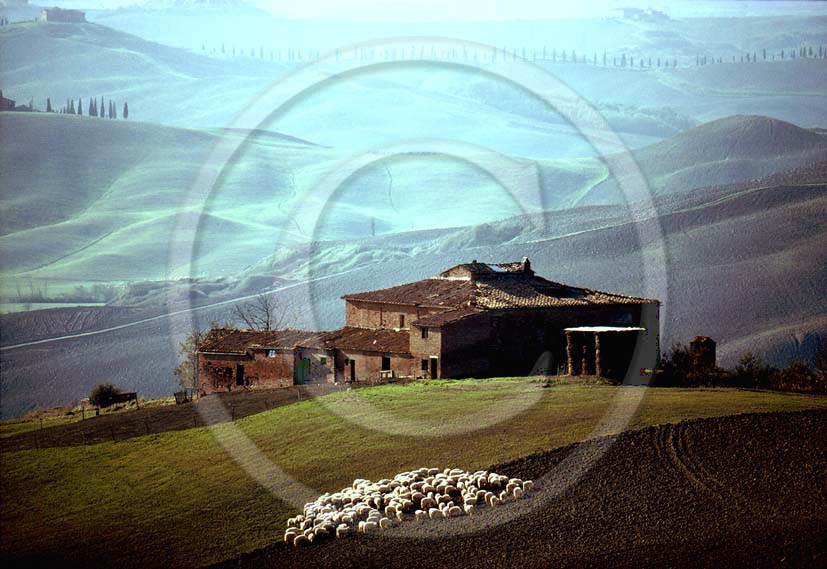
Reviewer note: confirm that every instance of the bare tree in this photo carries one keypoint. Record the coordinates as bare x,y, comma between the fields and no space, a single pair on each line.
264,312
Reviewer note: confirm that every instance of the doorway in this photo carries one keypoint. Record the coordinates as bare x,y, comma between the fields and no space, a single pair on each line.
433,367
239,374
352,371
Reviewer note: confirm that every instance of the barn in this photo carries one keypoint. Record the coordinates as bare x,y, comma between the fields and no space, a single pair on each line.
474,319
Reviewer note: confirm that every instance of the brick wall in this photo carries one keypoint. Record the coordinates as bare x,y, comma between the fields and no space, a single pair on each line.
369,365
316,366
423,348
220,372
365,314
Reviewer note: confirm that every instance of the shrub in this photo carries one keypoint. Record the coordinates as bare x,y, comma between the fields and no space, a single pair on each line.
798,376
102,394
753,372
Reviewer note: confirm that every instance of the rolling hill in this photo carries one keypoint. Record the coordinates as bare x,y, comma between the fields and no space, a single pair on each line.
63,61
742,266
723,151
130,181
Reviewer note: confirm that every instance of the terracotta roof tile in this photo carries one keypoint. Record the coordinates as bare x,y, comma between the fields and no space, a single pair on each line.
368,340
229,341
427,292
442,318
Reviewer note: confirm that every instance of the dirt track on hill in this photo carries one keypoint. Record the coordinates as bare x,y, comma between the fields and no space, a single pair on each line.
744,490
216,408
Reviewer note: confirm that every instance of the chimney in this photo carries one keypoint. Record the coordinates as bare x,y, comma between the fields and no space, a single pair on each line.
527,266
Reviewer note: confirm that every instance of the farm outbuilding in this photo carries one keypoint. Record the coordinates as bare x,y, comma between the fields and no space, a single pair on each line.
474,319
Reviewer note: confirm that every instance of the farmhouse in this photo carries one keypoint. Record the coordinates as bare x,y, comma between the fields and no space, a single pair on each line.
6,104
62,15
474,319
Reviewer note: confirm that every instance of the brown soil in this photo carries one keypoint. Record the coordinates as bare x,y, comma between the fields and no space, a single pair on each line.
738,491
216,408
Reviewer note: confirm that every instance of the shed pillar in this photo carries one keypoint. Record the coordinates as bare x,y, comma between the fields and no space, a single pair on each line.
569,354
597,365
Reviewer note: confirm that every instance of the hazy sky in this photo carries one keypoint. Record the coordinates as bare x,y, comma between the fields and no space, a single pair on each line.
470,10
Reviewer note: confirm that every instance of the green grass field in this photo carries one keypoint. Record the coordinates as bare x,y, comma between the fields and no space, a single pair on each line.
179,499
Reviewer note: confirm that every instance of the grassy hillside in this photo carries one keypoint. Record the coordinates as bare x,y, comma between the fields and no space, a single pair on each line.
179,499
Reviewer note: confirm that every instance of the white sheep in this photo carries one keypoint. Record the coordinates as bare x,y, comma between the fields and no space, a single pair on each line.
420,515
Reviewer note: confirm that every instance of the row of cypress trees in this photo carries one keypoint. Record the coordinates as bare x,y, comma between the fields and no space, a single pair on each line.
94,110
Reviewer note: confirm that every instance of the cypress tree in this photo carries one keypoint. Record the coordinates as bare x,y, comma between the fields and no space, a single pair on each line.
48,104
71,106
114,110
80,107
91,107
125,110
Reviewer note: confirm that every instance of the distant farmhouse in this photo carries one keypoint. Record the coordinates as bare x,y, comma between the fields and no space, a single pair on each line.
475,319
6,104
62,15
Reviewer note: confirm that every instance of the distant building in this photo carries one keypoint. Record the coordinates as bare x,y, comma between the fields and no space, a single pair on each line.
61,15
6,104
475,319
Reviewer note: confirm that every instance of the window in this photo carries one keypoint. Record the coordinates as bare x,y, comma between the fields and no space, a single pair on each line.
323,360
424,365
271,353
425,333
401,320
386,363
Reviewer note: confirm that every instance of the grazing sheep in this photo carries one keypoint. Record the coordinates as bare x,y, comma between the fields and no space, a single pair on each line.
427,503
425,492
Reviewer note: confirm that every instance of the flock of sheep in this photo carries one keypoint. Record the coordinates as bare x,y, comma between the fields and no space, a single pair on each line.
426,493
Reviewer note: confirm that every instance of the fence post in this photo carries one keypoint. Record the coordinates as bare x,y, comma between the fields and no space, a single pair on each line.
233,413
146,424
112,432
